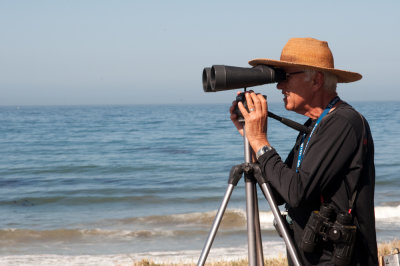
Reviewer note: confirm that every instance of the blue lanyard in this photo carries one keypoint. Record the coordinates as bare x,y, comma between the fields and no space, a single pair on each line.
303,149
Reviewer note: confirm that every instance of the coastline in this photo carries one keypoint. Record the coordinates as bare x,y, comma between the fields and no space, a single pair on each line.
384,248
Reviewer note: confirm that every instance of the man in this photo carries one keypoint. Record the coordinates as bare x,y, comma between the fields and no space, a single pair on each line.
331,165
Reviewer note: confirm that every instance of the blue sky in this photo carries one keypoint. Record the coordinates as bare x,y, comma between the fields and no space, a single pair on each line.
151,52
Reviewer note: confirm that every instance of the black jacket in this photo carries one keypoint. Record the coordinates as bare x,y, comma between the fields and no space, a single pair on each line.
338,161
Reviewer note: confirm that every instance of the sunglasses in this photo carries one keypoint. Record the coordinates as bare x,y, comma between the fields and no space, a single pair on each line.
288,75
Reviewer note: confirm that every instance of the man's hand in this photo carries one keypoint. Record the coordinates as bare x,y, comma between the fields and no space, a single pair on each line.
255,120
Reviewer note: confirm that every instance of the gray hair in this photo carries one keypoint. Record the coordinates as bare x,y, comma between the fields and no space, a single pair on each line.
330,80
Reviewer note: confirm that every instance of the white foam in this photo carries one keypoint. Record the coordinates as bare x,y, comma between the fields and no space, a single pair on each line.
266,220
59,260
382,214
387,212
271,249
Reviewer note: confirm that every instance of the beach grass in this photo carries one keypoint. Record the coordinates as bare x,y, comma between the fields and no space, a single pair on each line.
384,248
270,262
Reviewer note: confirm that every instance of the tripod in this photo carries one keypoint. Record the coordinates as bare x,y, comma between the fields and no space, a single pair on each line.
253,174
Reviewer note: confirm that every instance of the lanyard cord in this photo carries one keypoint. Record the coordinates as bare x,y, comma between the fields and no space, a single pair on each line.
303,149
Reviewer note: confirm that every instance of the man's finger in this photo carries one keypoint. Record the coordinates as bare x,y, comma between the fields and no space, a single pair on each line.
243,110
263,101
249,101
257,103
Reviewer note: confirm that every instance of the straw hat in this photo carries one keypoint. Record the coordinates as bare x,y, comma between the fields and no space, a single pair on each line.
308,53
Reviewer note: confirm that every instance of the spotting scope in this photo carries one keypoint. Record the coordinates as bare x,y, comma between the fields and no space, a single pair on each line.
220,77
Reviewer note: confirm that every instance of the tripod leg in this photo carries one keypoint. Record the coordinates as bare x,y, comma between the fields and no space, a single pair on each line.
251,230
282,228
216,223
260,254
255,255
266,189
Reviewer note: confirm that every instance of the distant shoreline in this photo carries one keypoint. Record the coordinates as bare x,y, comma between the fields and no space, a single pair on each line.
160,104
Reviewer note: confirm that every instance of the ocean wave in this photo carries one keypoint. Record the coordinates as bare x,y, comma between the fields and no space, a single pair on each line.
236,218
176,225
79,200
158,229
88,169
99,196
232,219
14,236
388,213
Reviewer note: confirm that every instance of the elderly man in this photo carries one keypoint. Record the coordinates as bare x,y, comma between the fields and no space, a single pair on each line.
333,165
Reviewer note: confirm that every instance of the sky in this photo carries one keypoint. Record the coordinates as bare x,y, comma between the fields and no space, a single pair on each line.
153,52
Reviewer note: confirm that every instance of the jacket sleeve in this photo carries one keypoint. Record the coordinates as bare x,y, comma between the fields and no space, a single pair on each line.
331,146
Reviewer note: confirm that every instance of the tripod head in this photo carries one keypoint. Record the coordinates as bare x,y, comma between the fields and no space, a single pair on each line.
290,123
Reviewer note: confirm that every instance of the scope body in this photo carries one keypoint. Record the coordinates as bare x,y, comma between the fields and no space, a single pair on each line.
220,77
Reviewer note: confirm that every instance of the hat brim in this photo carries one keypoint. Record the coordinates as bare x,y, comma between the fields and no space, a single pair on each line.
342,75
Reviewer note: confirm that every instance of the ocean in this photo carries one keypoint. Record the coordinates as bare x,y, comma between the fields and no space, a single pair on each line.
109,185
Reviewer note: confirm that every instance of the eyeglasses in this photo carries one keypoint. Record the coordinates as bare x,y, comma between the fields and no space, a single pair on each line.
288,75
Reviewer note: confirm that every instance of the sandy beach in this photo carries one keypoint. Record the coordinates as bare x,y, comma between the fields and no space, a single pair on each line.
384,248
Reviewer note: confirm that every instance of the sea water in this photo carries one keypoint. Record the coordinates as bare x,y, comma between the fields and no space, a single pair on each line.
105,185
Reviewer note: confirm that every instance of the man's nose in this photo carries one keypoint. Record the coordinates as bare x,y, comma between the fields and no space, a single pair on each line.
279,85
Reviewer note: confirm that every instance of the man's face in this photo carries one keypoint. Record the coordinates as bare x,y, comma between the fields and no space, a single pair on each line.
296,90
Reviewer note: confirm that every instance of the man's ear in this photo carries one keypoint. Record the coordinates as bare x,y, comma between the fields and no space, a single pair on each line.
317,81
